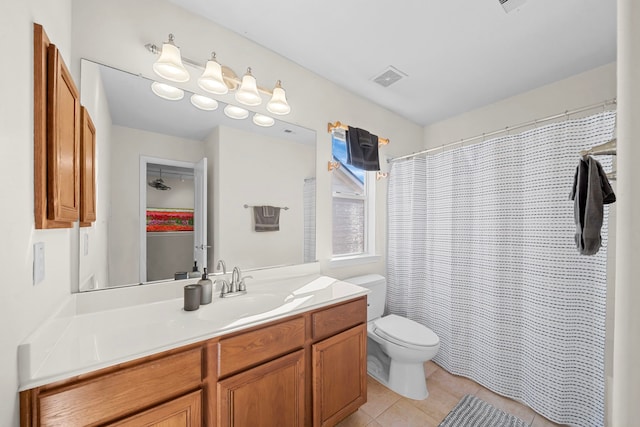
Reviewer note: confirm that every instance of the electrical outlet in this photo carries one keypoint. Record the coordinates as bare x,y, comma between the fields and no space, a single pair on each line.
38,262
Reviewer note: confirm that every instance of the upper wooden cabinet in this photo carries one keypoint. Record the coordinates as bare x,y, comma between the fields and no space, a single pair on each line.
56,137
87,170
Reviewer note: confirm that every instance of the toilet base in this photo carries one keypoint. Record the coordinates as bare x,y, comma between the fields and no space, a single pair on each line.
406,379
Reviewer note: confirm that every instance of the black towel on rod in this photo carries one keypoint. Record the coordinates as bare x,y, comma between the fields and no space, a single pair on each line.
362,149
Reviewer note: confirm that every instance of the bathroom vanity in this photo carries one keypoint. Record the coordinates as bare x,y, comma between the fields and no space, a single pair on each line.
249,362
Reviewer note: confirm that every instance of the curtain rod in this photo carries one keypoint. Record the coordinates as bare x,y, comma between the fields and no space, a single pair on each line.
508,128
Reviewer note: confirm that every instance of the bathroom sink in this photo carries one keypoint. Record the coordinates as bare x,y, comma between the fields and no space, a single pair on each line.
250,304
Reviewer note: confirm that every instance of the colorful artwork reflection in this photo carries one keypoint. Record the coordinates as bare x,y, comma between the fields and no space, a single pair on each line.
169,219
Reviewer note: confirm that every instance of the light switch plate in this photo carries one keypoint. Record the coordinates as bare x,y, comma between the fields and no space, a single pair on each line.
38,262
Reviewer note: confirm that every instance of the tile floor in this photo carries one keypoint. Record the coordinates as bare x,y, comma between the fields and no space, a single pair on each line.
385,408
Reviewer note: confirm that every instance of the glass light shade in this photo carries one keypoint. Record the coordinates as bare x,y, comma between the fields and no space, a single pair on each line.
262,120
166,91
234,112
211,80
278,102
247,93
204,102
169,65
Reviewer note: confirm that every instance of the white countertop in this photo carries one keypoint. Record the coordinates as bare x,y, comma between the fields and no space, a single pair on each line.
71,343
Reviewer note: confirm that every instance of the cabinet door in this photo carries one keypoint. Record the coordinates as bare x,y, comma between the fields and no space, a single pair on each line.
63,141
269,395
181,412
339,376
87,170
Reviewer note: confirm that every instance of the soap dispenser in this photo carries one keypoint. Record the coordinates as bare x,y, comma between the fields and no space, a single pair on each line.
194,272
207,288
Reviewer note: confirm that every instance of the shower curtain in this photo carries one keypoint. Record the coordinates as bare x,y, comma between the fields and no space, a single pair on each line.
481,250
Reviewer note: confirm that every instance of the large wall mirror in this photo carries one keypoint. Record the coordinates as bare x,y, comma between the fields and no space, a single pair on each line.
176,185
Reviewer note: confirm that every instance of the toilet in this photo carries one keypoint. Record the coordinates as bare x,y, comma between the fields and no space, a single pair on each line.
397,347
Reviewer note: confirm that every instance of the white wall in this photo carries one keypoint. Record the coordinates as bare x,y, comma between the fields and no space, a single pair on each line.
259,170
24,306
626,369
127,145
114,32
590,87
212,153
181,195
93,250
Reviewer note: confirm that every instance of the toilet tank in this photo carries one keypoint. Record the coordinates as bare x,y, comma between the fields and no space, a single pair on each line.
376,299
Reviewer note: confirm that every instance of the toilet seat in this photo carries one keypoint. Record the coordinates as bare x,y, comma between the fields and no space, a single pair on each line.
405,332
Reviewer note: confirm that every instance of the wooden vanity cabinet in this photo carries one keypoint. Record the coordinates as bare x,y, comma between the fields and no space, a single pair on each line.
320,380
339,361
164,389
271,394
185,411
305,370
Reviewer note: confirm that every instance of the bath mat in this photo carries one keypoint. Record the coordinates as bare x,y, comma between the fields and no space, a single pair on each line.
474,412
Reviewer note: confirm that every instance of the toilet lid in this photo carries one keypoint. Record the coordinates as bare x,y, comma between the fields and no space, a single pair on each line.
402,330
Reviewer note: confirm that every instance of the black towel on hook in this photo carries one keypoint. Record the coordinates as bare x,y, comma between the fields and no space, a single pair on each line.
362,149
591,191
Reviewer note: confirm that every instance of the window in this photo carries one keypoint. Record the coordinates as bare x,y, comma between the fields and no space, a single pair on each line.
353,200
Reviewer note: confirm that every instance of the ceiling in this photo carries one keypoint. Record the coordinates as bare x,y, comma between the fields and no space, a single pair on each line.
457,55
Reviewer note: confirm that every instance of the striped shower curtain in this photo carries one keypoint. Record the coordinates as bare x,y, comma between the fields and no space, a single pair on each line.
481,250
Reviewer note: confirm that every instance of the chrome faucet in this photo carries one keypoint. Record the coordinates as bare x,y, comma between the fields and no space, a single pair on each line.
235,278
224,267
237,285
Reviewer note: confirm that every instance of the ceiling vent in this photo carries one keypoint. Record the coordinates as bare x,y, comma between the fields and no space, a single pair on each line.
389,76
511,5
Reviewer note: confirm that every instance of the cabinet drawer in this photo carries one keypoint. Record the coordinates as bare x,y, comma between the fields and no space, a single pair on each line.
336,319
183,411
123,392
248,349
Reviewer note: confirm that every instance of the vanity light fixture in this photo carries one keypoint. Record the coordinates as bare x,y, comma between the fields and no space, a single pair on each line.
212,80
217,78
234,112
278,103
166,91
262,120
169,65
247,93
204,102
